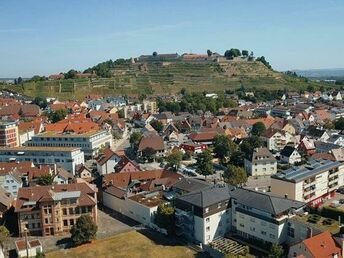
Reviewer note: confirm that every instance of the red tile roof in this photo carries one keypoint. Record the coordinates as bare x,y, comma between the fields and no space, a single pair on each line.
322,246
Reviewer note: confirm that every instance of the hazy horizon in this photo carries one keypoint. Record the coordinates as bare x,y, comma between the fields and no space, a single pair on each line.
45,37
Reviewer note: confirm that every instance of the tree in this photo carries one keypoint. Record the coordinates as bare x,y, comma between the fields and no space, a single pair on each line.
276,251
46,180
40,254
249,144
235,175
157,125
258,129
237,158
154,54
339,124
263,60
121,113
4,235
183,91
328,124
204,163
84,230
209,53
20,80
148,153
223,147
71,74
135,139
233,52
164,218
41,102
57,115
174,159
244,53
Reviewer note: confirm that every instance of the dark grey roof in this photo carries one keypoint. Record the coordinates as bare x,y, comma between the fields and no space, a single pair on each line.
287,151
326,146
262,155
264,201
190,185
258,200
208,196
312,168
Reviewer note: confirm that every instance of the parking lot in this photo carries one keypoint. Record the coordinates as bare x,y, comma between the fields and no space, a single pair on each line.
337,197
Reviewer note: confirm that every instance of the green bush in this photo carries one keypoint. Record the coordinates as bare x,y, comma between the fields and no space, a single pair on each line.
332,213
328,221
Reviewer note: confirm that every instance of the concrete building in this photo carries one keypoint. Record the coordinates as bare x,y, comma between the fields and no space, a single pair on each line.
205,215
9,135
150,106
66,157
33,248
312,183
53,210
261,163
89,142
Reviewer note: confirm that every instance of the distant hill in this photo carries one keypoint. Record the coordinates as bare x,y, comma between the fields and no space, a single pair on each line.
151,76
321,73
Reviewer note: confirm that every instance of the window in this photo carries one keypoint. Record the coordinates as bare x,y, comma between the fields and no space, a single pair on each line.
71,222
207,219
253,229
241,225
71,211
263,233
207,229
64,211
65,223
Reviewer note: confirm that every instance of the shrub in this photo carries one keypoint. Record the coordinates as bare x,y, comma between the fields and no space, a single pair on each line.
332,213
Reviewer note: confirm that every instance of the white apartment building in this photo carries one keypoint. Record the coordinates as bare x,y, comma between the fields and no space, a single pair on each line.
205,215
276,140
89,142
261,163
66,157
312,183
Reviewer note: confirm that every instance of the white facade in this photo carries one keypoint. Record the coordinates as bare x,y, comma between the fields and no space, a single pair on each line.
260,168
26,136
130,208
312,189
89,143
293,158
109,165
279,140
65,157
11,183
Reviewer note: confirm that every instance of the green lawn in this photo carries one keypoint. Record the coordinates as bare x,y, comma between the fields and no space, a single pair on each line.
130,244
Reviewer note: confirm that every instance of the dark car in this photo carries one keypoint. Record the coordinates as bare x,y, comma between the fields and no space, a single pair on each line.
341,201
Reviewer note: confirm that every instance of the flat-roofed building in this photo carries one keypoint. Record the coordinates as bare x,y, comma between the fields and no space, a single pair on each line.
9,135
312,183
54,209
66,157
89,142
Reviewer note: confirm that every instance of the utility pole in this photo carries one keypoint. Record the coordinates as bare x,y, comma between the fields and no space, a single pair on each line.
26,242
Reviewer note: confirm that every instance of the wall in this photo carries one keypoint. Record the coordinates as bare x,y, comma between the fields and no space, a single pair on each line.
281,188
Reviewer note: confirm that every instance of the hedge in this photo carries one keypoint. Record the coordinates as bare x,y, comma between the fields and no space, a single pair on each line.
332,213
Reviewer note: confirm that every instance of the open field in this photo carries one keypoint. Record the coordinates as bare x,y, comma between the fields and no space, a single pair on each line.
131,244
168,78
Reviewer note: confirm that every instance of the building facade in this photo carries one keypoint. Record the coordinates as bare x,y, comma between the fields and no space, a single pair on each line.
261,163
53,210
313,183
66,157
9,135
89,142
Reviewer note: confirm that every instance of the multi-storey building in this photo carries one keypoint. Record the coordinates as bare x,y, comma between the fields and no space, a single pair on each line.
212,212
9,135
89,142
276,140
54,209
66,157
261,163
312,183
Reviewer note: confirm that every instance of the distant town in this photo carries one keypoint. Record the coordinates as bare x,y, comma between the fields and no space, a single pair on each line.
247,173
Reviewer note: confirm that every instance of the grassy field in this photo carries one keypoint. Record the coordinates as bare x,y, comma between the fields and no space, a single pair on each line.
131,244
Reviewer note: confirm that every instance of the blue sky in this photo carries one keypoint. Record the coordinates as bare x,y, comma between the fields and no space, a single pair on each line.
46,36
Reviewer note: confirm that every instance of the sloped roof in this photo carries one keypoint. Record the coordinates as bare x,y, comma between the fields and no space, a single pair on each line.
287,151
191,185
264,201
322,246
153,141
